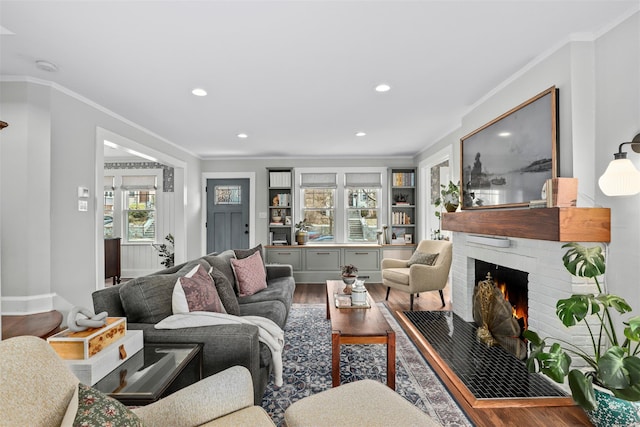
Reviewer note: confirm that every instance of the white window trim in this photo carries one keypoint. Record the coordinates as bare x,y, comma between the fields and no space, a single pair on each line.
340,197
118,211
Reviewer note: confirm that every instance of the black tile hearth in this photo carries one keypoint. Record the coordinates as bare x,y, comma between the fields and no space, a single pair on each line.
488,372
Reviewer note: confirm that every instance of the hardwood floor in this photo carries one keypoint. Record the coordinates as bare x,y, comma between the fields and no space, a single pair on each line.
484,417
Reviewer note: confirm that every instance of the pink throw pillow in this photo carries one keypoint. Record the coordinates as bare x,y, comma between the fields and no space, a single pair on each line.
196,292
250,274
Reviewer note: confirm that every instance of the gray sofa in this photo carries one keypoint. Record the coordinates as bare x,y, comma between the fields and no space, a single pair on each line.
146,300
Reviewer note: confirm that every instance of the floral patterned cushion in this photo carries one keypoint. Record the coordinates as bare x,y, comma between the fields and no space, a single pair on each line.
250,274
98,409
196,292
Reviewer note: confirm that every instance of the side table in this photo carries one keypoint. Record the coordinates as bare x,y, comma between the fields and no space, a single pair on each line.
149,374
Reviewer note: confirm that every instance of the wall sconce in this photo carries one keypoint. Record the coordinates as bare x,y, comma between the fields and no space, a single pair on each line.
621,177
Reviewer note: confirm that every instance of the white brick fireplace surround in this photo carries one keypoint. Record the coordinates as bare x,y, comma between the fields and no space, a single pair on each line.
548,281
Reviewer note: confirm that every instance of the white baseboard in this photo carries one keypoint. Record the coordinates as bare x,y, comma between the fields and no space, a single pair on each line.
26,304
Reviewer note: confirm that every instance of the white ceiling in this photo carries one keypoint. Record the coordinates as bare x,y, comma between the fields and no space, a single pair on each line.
296,76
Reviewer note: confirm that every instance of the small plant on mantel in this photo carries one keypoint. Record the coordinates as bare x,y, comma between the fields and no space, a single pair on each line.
613,364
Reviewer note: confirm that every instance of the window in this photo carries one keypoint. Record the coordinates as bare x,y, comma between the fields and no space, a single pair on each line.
318,205
140,215
363,203
109,206
139,207
130,209
319,213
362,214
349,212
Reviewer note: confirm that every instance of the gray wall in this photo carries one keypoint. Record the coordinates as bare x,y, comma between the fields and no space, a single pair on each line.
259,167
599,83
49,248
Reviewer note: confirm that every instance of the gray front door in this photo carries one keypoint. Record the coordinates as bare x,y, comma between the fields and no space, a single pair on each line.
227,214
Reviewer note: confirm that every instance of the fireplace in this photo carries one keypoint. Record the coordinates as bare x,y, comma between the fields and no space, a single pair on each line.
548,281
512,283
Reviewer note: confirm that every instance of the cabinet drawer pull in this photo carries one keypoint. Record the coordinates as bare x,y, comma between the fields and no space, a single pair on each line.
362,253
322,253
284,253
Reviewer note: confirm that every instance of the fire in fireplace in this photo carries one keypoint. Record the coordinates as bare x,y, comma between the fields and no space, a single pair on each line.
512,283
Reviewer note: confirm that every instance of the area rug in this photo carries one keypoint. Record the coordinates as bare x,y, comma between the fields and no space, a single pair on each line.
307,367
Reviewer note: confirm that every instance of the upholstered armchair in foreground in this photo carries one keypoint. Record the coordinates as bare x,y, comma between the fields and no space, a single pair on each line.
37,389
424,272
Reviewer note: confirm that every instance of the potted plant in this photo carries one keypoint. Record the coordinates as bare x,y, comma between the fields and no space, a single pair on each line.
450,200
166,252
349,274
301,232
612,364
449,197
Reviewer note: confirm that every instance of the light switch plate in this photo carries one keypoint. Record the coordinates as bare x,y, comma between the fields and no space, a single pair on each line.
83,205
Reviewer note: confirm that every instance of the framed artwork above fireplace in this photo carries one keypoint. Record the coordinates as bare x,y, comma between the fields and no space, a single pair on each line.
505,162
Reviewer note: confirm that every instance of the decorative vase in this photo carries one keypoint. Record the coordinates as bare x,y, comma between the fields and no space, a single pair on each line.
302,237
612,411
359,293
348,281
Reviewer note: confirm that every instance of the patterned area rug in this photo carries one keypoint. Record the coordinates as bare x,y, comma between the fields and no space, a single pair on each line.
307,367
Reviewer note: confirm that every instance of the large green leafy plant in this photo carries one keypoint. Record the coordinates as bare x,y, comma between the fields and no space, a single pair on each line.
613,364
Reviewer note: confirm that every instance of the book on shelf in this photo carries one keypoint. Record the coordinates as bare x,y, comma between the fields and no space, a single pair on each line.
282,200
403,179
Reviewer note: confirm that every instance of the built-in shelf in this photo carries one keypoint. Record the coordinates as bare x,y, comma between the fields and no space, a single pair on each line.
555,224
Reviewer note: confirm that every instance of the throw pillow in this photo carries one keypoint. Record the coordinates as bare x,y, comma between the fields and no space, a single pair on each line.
243,253
196,292
147,299
222,263
250,274
98,409
422,258
226,292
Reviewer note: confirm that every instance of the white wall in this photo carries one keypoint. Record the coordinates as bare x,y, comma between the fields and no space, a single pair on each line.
47,152
617,111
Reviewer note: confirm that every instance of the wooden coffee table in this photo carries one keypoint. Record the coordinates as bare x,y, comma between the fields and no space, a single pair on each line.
358,326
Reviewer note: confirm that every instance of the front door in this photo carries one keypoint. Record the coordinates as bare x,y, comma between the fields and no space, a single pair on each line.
227,214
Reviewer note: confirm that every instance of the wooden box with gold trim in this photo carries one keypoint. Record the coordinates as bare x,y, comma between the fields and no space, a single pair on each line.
84,344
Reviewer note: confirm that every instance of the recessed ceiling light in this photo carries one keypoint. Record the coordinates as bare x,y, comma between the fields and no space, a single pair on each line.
199,92
383,87
360,134
242,135
46,66
504,134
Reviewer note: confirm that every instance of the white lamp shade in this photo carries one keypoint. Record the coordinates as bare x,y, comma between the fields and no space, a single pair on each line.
620,179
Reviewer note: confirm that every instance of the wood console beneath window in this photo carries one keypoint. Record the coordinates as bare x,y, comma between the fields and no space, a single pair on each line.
555,224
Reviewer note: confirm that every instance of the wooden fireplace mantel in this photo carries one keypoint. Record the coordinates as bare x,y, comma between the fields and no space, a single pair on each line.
555,224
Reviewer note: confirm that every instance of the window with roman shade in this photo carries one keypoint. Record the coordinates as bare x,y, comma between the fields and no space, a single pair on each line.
318,205
362,194
139,202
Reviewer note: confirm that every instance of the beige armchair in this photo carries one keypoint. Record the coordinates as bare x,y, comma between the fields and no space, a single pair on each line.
36,388
419,278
